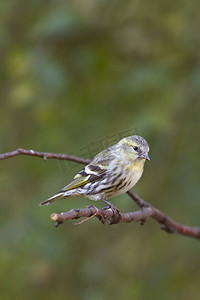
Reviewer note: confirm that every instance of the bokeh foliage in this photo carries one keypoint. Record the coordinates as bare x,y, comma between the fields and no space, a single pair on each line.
74,74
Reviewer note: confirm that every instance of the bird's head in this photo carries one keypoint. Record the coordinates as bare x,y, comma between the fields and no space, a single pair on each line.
134,148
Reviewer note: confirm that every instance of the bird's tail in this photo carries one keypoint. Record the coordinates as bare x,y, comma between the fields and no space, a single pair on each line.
52,199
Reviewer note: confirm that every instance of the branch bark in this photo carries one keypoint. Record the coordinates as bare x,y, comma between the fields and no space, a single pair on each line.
147,210
44,155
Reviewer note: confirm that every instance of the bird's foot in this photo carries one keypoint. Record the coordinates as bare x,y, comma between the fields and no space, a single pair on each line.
116,213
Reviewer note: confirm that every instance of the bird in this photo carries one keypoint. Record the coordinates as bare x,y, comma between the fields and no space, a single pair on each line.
112,172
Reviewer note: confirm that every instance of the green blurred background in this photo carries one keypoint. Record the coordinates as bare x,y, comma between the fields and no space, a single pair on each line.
76,75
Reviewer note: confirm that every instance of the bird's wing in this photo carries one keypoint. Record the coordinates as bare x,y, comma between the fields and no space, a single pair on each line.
88,174
92,172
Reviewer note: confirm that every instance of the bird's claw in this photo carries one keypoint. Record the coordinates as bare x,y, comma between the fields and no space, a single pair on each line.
116,214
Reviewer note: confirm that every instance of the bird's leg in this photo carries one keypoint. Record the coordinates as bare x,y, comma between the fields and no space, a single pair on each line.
110,205
116,213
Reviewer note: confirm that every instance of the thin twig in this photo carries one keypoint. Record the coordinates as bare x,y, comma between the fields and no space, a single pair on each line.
147,210
44,155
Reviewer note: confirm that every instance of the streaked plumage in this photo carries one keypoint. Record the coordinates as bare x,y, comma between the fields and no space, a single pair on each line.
112,172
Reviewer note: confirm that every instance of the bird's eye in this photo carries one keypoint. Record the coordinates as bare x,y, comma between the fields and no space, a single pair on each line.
135,148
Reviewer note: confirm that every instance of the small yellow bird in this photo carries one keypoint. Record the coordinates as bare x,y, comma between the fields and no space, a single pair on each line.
112,172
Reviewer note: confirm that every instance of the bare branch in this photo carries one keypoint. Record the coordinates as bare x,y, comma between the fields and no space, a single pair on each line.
103,214
139,201
44,155
167,224
147,210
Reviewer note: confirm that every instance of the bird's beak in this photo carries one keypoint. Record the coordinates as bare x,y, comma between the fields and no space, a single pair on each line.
145,155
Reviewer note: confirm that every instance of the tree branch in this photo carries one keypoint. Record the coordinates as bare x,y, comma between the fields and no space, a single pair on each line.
147,210
103,214
167,224
44,155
